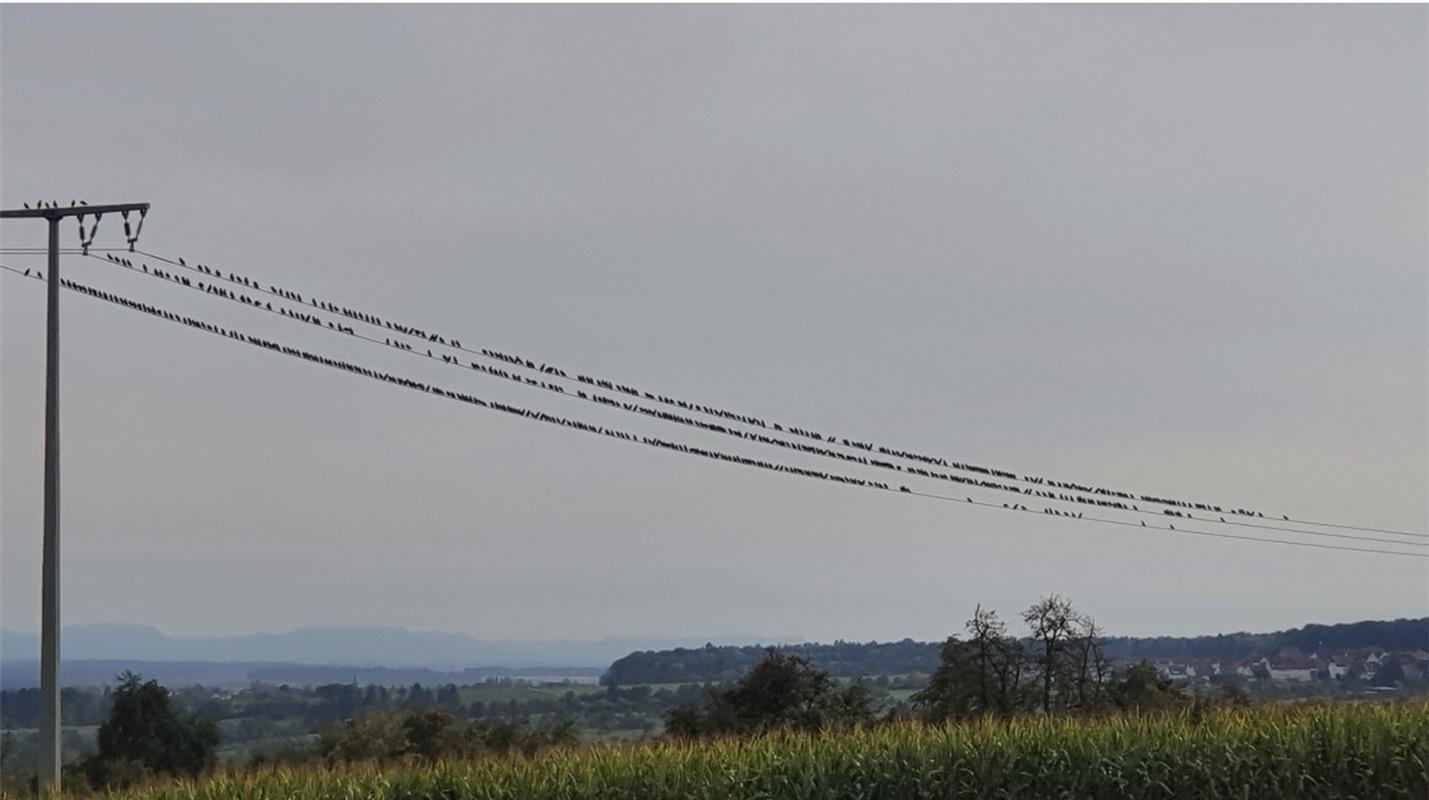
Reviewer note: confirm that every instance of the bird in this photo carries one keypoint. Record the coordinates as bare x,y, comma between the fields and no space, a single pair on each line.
1223,519
27,206
1173,527
1143,523
181,262
83,203
1284,517
27,273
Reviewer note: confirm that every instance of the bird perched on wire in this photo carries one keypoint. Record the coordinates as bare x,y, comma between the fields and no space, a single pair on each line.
27,206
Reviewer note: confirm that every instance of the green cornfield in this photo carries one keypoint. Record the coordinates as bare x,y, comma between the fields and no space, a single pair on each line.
1261,753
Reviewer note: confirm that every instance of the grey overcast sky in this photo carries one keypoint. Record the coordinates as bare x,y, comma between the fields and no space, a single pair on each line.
1175,249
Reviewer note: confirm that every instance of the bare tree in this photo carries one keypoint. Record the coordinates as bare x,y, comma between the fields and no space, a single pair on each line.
1053,622
1010,658
1091,664
987,633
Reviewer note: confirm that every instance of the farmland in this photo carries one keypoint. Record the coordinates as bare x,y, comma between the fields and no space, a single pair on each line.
1267,752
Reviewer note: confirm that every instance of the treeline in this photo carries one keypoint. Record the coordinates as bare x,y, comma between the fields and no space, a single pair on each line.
727,663
1400,635
852,659
262,711
1057,667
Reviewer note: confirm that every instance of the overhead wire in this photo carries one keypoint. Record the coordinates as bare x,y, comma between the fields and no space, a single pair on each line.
1122,500
659,443
310,317
1124,495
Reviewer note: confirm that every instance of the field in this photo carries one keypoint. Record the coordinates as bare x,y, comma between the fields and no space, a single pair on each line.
1266,753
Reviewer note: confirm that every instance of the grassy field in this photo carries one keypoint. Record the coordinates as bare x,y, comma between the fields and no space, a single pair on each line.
1265,753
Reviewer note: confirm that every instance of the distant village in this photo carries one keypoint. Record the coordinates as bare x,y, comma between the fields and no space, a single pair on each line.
1371,670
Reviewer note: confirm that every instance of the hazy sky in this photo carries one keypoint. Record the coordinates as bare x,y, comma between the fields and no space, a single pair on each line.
1174,249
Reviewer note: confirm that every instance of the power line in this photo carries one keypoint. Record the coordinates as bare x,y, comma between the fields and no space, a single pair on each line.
350,367
311,318
375,320
829,446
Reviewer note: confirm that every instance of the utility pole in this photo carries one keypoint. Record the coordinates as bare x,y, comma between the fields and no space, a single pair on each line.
50,567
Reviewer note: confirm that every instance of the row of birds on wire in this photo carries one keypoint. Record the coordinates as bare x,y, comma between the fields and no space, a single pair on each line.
1097,500
1208,511
637,407
356,369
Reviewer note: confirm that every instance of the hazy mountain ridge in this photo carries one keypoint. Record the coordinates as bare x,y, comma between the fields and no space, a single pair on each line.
327,645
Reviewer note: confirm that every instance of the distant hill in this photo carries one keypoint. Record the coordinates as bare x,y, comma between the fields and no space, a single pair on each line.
234,674
345,647
850,659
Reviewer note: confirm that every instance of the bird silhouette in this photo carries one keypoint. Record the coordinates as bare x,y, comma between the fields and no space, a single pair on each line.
1143,523
181,262
27,206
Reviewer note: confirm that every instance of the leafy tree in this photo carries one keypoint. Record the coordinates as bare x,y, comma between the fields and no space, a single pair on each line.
144,735
1390,672
781,691
432,734
683,722
954,689
1143,690
377,736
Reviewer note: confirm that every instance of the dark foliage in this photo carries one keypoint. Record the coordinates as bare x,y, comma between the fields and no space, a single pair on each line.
782,691
144,736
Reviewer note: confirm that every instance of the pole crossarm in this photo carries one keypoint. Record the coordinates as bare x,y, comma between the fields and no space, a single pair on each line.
71,211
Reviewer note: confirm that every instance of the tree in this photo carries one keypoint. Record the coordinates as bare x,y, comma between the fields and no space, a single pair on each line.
1092,666
379,736
432,733
952,690
143,734
1052,620
783,690
1390,672
987,632
1143,690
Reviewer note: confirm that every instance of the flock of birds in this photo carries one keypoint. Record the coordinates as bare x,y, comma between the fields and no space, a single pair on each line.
816,450
1101,496
1079,493
1062,491
41,205
1119,500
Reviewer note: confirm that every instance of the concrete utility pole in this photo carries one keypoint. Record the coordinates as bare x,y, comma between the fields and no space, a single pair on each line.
50,568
